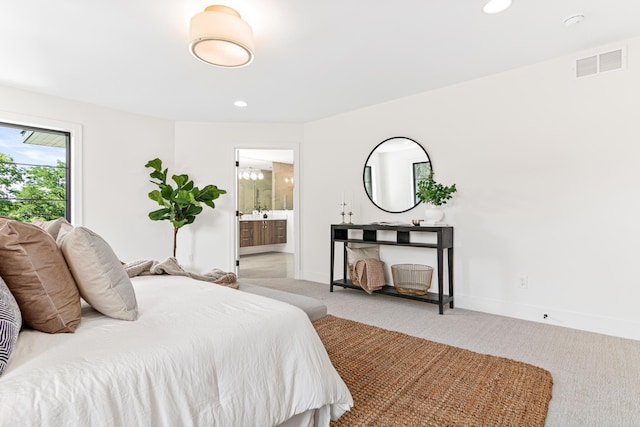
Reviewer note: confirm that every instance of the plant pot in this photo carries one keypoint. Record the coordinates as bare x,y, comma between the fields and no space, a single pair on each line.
433,214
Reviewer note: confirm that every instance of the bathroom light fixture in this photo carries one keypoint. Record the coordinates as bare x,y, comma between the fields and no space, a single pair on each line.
219,36
251,174
496,6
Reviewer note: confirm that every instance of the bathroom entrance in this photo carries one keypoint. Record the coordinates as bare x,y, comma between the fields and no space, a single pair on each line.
265,204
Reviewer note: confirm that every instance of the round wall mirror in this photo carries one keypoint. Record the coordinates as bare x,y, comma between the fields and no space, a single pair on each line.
392,172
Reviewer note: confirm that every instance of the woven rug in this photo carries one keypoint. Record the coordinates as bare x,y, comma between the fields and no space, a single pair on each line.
400,380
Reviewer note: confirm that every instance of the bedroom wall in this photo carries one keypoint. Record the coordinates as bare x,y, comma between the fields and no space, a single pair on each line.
206,151
546,167
115,146
544,163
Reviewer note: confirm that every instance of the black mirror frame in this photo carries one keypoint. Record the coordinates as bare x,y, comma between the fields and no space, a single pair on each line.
364,171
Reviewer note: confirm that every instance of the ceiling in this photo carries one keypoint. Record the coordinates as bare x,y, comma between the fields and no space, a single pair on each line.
314,59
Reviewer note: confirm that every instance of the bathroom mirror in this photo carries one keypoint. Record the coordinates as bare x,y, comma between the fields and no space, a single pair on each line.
392,171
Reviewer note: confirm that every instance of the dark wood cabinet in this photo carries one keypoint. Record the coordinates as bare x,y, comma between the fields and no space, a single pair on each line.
280,230
263,232
246,233
443,245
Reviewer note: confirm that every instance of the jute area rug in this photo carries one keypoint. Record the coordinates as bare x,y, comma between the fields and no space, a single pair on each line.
400,380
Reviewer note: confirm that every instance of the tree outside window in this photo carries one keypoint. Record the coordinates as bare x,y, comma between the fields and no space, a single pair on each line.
34,173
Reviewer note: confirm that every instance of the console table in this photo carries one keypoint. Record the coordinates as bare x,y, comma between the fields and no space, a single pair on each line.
444,240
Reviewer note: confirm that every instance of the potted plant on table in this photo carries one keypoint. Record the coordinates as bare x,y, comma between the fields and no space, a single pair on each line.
180,205
434,195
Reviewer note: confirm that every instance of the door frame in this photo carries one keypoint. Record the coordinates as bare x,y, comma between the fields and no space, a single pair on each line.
295,147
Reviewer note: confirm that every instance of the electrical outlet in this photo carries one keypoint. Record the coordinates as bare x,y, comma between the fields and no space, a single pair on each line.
523,282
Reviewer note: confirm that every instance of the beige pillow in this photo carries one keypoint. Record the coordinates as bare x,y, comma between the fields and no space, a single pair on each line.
35,271
355,254
101,278
52,227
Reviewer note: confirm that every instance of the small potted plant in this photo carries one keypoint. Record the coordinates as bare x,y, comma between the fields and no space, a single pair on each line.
261,211
434,195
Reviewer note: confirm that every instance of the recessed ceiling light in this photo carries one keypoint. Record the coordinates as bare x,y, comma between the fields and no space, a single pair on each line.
240,104
572,20
496,6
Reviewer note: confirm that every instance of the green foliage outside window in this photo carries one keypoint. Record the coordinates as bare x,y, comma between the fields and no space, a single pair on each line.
29,192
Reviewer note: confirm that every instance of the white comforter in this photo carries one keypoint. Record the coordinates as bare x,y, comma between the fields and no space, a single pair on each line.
199,355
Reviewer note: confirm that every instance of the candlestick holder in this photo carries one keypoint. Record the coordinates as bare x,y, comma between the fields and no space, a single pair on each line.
343,213
350,213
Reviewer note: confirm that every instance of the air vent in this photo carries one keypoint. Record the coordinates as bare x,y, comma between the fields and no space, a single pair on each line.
610,60
586,66
600,63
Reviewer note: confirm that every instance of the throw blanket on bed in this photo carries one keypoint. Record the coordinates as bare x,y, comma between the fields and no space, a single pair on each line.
370,274
170,266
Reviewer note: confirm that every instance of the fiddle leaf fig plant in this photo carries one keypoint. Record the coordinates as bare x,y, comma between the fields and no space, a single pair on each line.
430,191
180,203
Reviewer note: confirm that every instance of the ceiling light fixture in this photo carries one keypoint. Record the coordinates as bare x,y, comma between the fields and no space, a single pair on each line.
240,103
496,6
219,36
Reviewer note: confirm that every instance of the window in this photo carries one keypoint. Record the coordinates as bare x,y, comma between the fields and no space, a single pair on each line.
35,178
420,171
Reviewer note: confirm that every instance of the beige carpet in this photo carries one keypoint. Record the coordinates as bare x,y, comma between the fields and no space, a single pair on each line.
400,380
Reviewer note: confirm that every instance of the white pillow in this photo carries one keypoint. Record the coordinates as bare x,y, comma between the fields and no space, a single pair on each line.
100,277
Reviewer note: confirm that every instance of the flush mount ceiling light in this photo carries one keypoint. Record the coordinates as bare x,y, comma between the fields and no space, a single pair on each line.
219,36
496,6
240,103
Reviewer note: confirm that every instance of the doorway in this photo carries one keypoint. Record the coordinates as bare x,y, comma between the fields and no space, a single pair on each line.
266,213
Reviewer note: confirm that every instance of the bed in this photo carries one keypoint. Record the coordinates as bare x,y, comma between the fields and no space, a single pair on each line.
199,354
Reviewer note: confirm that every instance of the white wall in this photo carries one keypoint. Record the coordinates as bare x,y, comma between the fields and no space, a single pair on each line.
115,148
206,151
547,176
545,166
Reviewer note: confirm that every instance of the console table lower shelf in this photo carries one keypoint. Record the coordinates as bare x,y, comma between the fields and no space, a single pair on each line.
429,297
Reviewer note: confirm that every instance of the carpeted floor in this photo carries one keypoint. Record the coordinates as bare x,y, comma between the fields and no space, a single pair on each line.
596,378
400,380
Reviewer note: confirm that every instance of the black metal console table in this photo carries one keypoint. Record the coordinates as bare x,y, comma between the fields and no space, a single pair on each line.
444,234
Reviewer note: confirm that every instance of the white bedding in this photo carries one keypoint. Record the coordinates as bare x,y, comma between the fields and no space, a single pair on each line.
199,355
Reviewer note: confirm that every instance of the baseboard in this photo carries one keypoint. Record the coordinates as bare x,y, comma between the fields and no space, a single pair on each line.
582,321
317,277
586,322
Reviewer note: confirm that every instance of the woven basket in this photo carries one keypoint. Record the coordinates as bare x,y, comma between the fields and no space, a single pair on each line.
412,279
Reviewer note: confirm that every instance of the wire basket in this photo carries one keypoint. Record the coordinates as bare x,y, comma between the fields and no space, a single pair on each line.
411,279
